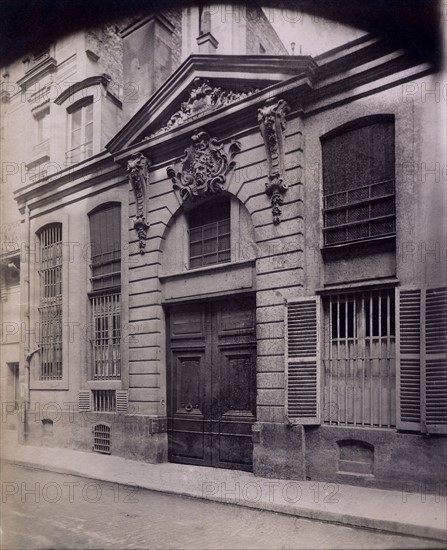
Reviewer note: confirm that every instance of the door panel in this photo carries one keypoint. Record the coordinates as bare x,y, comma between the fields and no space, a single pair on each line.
212,383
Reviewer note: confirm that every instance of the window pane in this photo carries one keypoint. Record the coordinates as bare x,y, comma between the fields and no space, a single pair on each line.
211,259
210,246
76,119
88,113
195,234
209,232
195,249
88,133
224,243
76,138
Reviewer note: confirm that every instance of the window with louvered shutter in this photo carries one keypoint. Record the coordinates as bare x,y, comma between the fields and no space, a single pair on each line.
423,360
121,401
409,353
302,361
84,400
436,360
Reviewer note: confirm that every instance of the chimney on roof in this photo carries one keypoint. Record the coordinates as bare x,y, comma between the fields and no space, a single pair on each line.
206,41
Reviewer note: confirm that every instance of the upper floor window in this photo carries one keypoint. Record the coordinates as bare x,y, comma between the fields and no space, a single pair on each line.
209,234
80,133
43,126
42,134
105,298
50,303
358,181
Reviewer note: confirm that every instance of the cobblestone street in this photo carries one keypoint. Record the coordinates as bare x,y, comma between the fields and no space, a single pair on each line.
42,510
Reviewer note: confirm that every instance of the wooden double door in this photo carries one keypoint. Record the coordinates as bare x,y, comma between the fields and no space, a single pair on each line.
212,383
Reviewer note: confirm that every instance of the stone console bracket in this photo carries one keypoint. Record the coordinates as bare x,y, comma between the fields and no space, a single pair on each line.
138,170
272,123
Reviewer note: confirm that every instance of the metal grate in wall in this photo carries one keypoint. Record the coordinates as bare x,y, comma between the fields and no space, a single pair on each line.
104,400
101,438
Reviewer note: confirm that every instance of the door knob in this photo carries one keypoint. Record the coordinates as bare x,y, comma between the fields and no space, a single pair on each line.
188,407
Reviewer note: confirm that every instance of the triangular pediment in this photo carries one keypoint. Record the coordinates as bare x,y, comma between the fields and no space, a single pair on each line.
204,84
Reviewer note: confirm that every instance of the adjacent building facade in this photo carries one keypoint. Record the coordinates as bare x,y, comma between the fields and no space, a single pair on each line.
251,273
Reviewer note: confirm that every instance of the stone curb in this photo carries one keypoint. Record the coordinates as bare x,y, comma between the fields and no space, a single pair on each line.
349,520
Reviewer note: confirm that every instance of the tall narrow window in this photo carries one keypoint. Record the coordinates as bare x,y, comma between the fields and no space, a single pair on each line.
50,306
358,181
42,130
81,133
105,298
359,360
209,234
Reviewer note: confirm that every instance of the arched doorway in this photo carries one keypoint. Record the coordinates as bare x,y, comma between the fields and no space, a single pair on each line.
211,337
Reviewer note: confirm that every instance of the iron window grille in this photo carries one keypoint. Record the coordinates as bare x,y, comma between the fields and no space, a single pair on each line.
105,298
359,382
106,312
104,400
361,213
50,304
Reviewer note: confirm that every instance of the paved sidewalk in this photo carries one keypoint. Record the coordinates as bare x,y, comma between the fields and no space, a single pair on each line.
394,511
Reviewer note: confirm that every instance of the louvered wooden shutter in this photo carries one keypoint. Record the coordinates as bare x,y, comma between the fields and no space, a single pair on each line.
409,359
436,360
84,400
302,361
121,401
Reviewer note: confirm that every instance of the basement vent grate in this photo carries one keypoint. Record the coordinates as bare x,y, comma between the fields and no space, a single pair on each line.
101,438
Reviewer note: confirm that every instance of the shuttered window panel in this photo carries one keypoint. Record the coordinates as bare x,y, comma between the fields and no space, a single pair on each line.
302,361
409,360
121,401
84,400
436,360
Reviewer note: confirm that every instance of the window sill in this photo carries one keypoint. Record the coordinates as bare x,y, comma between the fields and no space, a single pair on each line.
208,269
57,385
104,384
366,284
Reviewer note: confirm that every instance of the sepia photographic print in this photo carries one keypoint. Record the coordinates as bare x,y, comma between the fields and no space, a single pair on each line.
223,283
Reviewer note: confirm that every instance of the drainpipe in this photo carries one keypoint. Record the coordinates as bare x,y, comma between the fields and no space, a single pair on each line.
27,402
29,354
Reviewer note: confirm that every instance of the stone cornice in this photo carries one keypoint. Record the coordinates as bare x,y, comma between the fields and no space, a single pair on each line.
340,71
70,181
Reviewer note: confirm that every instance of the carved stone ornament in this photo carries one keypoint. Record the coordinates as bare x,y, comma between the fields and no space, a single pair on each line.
203,97
204,167
272,121
137,168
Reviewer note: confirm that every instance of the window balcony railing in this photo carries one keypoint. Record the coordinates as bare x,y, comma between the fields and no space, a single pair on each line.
81,152
361,213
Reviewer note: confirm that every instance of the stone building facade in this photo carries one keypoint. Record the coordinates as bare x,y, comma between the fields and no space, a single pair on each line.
251,274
